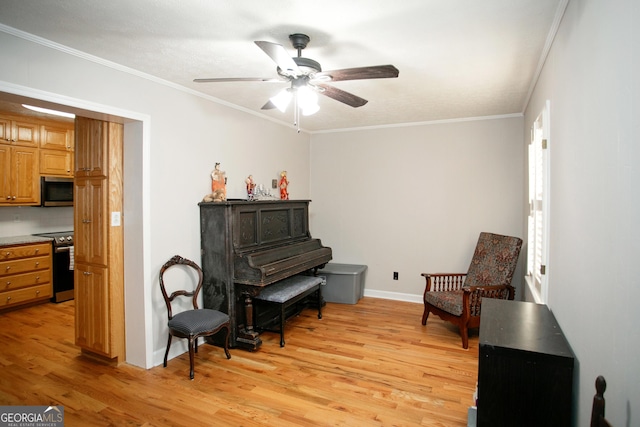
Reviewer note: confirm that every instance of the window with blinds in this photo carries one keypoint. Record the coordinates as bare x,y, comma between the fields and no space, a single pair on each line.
538,206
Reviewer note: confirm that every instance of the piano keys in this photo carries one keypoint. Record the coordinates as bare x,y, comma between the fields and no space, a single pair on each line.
248,245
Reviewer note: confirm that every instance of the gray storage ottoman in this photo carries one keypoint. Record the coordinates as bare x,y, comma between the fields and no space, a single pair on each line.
345,282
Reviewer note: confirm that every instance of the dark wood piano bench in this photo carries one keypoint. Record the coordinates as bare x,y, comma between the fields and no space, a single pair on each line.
287,293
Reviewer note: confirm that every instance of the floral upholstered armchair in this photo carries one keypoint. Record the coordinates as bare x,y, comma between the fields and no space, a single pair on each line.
457,297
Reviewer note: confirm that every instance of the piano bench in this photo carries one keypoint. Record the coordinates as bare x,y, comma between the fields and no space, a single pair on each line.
288,292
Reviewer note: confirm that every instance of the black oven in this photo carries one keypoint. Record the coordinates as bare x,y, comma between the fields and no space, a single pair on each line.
55,191
62,265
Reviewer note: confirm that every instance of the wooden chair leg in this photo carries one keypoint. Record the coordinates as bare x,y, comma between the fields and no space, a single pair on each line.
464,332
191,357
425,315
282,320
166,353
226,342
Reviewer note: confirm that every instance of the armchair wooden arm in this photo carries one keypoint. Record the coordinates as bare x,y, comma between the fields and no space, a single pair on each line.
476,293
441,282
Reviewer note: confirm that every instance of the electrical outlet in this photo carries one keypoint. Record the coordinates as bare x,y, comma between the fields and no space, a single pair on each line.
274,183
395,275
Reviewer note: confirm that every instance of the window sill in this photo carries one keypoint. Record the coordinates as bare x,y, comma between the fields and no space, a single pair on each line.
533,292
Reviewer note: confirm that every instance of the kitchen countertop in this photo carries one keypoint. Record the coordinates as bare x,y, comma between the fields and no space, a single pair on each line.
23,240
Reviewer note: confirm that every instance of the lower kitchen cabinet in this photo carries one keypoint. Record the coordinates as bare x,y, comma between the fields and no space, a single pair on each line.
25,274
92,308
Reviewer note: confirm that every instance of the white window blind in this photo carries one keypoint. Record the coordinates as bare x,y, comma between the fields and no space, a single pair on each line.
538,206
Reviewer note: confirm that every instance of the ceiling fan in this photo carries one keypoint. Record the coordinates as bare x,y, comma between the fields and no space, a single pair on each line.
307,78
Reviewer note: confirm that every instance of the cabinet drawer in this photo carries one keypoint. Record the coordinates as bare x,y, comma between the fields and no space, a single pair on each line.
24,265
33,293
17,281
24,251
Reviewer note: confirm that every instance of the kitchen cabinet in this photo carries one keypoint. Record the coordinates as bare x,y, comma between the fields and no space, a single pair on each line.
57,137
56,163
92,138
99,269
57,149
92,314
25,274
15,131
90,222
30,148
20,180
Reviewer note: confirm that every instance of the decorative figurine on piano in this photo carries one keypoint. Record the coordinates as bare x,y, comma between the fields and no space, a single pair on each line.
218,186
251,186
284,183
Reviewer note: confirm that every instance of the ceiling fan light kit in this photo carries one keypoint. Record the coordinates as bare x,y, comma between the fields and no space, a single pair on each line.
281,100
307,79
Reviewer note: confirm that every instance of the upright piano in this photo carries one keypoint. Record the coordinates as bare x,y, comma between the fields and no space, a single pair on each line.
248,245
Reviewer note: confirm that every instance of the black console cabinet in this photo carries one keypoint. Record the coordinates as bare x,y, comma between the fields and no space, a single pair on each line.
525,371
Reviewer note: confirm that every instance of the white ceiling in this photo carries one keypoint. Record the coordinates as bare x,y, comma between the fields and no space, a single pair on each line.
457,58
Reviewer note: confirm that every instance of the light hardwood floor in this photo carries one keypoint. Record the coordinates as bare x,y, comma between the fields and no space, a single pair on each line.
369,364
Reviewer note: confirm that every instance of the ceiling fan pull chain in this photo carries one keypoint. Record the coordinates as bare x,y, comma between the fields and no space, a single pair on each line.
296,112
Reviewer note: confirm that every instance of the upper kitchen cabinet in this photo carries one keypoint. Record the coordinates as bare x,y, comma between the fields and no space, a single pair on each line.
20,180
92,138
56,163
57,146
57,137
19,132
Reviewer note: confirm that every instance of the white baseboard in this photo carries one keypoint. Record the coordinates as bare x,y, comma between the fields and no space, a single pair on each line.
397,296
178,346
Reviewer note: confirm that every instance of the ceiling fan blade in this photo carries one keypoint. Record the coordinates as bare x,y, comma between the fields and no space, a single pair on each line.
237,79
279,56
360,73
342,96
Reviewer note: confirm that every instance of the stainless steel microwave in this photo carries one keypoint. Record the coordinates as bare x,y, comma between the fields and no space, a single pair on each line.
55,191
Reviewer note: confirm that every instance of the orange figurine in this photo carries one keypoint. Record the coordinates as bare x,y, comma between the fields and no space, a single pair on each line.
284,195
218,184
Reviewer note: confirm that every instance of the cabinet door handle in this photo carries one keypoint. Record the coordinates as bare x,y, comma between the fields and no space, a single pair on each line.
7,254
8,299
8,267
37,263
37,250
86,273
38,292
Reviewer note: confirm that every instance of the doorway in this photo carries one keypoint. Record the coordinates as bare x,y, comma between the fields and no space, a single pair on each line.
135,257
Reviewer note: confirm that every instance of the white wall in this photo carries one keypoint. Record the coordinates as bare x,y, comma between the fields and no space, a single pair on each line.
176,146
414,199
591,80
